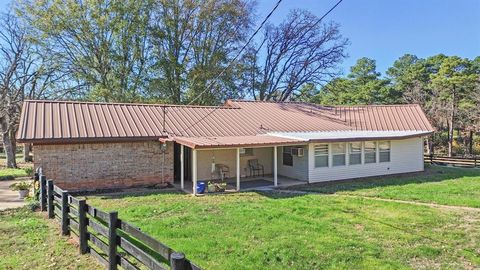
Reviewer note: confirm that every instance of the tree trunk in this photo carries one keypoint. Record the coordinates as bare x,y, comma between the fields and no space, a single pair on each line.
470,143
9,146
27,148
427,142
451,127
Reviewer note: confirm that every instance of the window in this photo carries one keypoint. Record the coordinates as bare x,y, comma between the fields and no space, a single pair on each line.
355,152
384,151
246,152
287,156
338,154
321,155
370,152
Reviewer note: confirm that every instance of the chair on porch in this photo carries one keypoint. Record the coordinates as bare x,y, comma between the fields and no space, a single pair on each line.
255,168
223,171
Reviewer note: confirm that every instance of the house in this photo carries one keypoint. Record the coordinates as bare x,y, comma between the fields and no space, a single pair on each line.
85,145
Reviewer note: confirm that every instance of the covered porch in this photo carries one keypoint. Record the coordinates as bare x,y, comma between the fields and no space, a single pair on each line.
238,163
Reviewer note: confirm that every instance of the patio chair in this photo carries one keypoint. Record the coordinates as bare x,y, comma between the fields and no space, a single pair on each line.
223,171
255,168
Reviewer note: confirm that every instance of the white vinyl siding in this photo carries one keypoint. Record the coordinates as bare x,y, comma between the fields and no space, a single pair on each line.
299,170
405,156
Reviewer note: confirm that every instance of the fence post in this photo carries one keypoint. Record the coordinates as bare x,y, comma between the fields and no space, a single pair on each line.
177,261
50,207
112,240
65,230
43,195
82,226
431,158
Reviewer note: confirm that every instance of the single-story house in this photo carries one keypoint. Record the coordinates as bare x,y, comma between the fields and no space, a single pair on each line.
86,145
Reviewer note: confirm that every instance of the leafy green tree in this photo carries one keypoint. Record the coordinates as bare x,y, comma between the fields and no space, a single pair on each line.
104,45
363,85
453,85
193,42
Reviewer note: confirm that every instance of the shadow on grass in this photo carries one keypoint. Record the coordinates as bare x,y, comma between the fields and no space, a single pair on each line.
431,174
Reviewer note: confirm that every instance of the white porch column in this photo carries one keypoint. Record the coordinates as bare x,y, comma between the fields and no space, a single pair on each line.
238,169
194,171
182,167
275,165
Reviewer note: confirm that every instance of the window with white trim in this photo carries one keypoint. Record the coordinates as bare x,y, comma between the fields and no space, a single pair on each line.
338,154
370,152
321,155
384,151
355,153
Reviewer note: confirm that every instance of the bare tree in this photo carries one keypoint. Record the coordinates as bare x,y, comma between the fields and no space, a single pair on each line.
26,71
299,51
14,66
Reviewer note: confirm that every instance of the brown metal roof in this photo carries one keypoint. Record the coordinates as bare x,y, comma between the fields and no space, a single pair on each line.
68,121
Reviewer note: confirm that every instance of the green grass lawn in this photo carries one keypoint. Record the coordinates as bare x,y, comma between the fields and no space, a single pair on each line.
10,174
441,185
276,231
30,241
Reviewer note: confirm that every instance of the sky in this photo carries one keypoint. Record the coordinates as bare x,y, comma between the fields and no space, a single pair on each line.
387,29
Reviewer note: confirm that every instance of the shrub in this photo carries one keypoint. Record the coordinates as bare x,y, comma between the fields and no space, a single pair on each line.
32,203
29,171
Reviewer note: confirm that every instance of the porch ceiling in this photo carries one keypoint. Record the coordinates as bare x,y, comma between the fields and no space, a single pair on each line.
236,141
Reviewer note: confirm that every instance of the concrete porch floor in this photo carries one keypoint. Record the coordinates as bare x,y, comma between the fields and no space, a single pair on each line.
246,184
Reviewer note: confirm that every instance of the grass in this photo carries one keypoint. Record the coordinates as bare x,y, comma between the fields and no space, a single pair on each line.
10,174
441,185
278,231
30,241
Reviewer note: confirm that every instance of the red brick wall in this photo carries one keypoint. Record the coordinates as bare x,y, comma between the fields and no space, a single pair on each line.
105,165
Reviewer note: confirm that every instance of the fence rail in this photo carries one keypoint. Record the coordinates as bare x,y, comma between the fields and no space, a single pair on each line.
110,240
454,161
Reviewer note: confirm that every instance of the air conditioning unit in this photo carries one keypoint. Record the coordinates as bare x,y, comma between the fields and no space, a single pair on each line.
297,151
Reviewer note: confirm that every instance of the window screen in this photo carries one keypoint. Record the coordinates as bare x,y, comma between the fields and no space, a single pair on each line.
338,154
384,151
287,156
355,151
370,152
321,155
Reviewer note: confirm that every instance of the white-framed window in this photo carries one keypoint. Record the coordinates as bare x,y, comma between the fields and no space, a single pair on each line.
384,151
355,153
370,152
338,154
321,155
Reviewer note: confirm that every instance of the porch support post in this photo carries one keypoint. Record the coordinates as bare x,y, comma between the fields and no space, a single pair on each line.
275,166
238,169
182,168
194,171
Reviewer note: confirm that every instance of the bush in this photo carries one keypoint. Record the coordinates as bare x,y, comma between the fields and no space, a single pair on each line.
29,171
32,203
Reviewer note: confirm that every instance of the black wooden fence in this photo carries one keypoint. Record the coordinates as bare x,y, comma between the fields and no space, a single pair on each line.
110,240
454,161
